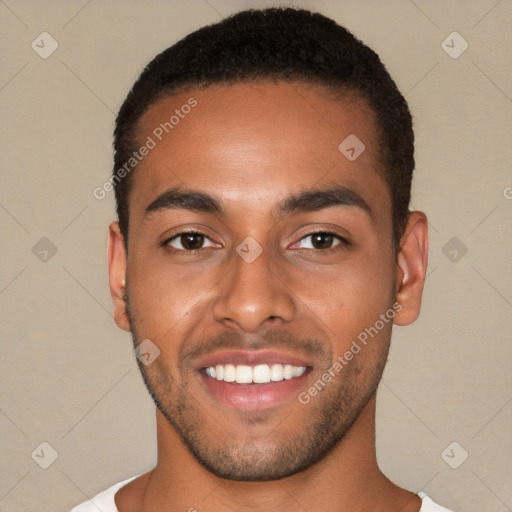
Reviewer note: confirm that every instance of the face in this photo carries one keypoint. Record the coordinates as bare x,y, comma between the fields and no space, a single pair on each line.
258,254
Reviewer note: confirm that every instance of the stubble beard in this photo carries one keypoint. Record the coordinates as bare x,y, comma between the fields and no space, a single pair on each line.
328,418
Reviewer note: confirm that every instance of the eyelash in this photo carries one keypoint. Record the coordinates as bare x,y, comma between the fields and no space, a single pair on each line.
344,243
172,250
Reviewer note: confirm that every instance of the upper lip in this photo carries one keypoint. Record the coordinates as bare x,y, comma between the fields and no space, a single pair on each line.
250,358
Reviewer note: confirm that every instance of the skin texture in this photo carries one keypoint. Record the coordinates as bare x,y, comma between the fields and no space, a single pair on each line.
249,146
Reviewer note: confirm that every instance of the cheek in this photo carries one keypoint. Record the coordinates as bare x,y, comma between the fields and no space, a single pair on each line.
346,297
163,298
349,298
360,286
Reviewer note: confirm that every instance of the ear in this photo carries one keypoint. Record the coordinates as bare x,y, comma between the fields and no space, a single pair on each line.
117,275
411,268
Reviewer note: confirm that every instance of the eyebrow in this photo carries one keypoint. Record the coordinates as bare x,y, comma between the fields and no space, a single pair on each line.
177,198
307,201
312,200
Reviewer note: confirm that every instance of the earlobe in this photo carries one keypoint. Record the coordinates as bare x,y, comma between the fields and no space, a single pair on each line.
117,275
411,269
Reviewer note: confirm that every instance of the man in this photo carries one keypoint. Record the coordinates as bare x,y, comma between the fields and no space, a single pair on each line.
263,251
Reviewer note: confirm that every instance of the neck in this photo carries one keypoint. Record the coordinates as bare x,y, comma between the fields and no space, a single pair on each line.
348,478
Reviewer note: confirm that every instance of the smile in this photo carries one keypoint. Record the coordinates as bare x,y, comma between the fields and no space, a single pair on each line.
253,380
259,374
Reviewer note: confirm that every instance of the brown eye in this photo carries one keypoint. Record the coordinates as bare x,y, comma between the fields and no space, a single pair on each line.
320,241
189,241
192,241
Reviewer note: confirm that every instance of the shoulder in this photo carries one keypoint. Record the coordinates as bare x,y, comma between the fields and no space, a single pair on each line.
104,501
427,505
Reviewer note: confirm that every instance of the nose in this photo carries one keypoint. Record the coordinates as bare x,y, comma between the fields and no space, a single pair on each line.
253,296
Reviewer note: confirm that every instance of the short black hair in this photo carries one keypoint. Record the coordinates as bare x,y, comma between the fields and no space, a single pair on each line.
276,44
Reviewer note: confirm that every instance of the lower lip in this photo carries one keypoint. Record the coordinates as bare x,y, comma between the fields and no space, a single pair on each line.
253,397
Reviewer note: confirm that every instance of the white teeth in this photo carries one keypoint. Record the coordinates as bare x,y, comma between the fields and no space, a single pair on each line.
243,374
259,374
298,370
229,373
276,373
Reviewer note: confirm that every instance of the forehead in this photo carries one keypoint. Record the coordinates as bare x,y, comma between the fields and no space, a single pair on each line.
258,140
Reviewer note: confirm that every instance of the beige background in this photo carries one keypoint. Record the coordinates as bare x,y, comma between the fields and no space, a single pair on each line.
69,377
